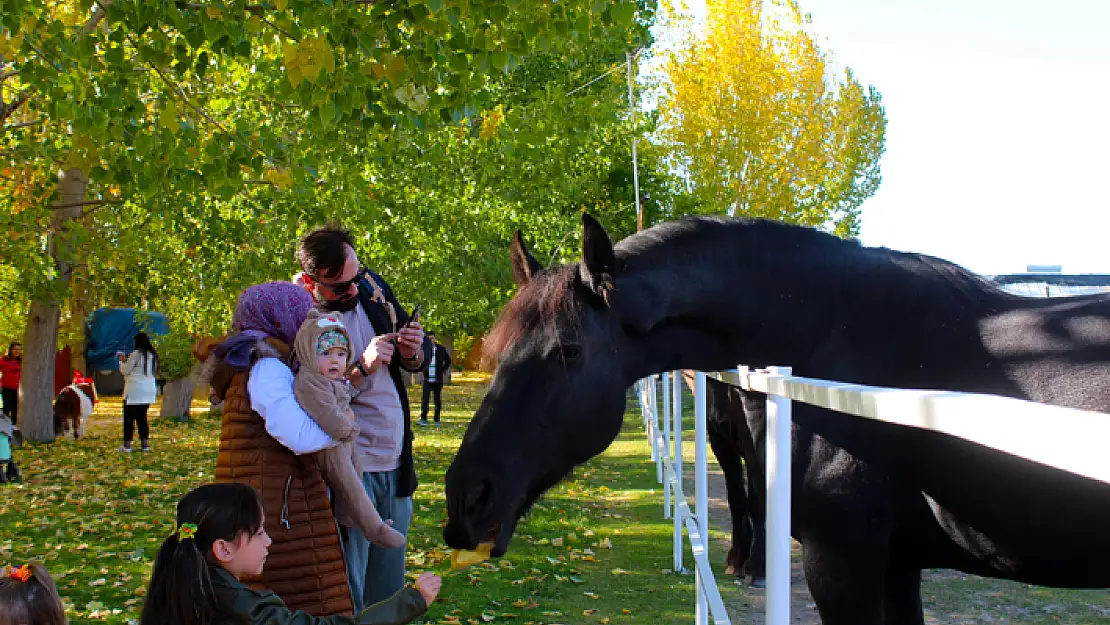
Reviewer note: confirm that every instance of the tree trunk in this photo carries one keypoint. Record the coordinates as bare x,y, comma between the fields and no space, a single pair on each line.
41,342
36,408
79,308
178,397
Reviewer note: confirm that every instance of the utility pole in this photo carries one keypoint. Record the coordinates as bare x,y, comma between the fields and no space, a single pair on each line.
635,166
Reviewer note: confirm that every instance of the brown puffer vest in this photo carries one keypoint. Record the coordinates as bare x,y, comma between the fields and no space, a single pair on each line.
305,566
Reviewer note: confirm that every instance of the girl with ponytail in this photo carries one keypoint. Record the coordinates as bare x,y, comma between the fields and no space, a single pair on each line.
219,539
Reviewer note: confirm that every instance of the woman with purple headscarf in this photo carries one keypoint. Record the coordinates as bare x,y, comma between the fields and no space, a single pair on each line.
262,434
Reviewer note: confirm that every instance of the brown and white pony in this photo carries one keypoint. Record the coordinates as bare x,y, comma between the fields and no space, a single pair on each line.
73,406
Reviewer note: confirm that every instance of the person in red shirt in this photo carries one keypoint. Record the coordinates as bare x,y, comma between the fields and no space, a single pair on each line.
10,367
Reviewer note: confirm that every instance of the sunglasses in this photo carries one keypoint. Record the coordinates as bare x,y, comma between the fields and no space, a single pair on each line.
344,286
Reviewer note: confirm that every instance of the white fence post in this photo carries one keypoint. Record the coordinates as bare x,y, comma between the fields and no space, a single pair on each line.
779,446
701,496
677,433
666,375
655,429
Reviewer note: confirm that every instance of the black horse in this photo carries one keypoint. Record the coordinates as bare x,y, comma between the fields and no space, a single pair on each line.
873,503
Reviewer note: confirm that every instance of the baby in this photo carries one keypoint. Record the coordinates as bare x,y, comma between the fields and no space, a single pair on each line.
321,388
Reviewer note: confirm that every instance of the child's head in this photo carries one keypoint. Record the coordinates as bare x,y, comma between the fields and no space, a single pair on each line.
217,524
332,352
322,339
28,597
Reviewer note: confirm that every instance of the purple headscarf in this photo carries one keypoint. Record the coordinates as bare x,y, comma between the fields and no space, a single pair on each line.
273,309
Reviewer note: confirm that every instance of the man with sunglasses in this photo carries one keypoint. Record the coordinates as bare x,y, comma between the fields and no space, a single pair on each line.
388,342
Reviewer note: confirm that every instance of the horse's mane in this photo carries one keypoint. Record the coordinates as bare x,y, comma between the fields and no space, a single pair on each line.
538,304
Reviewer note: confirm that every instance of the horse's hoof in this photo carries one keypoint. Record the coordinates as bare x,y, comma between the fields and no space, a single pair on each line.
758,583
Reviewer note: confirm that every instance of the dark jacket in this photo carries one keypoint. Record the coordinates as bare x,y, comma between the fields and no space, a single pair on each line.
382,324
266,608
443,362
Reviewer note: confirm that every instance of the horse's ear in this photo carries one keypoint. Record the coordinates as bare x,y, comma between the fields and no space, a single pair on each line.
525,266
599,263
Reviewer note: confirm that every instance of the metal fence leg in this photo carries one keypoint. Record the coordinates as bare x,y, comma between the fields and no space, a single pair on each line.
677,433
667,441
655,429
778,505
701,614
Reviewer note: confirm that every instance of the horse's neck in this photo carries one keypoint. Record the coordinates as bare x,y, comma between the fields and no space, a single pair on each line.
713,311
698,315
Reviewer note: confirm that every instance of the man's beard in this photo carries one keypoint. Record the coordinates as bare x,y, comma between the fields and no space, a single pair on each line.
340,305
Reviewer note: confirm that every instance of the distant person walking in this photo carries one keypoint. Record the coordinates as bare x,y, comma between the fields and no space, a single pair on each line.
10,368
139,390
433,380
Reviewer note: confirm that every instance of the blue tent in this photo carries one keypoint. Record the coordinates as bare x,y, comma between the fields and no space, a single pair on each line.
111,330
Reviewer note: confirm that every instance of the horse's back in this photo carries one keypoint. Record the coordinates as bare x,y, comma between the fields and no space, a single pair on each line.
1056,350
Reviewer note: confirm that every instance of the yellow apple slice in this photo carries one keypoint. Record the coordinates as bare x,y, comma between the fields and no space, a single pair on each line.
462,558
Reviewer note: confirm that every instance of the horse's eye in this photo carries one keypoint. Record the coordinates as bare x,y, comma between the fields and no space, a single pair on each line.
570,353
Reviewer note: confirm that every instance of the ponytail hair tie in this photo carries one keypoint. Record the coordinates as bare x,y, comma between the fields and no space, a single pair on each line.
186,531
22,573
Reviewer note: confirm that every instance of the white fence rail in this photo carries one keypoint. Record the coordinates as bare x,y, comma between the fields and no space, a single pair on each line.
1075,443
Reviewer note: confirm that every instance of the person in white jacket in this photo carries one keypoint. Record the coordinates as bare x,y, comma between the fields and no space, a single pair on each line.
139,390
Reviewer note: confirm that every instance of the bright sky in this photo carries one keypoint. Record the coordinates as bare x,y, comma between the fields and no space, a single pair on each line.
998,136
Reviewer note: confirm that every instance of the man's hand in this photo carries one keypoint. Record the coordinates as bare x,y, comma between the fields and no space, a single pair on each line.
410,339
378,352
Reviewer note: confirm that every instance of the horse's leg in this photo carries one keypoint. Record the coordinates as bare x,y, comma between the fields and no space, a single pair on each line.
729,459
902,598
753,409
755,569
724,419
846,583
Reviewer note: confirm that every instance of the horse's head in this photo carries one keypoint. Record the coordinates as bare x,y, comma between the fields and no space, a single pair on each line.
557,398
89,389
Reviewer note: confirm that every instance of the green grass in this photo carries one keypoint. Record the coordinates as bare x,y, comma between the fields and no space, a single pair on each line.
595,550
